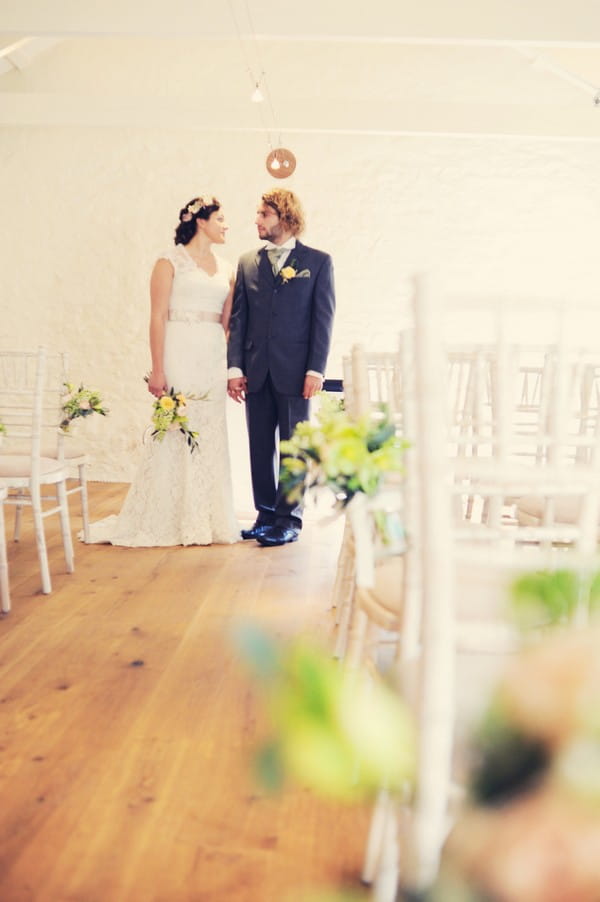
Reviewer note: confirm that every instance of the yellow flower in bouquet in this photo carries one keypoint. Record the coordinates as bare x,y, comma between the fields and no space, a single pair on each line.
169,414
167,403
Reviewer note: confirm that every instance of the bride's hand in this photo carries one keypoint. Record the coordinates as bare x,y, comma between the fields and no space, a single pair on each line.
157,384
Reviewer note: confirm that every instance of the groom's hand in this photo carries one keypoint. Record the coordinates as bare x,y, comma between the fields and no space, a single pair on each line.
312,384
236,388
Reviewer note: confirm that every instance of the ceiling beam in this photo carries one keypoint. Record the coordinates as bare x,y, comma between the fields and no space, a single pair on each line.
459,120
556,23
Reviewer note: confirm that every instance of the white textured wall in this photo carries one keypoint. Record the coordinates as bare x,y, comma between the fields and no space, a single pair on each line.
85,211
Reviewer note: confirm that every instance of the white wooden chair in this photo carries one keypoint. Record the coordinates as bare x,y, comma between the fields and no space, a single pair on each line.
30,398
4,584
457,571
77,462
69,451
371,380
343,587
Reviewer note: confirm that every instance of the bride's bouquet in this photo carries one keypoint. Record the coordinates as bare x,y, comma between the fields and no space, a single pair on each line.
169,414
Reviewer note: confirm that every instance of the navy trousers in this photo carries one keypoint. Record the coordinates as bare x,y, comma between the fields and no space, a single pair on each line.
271,417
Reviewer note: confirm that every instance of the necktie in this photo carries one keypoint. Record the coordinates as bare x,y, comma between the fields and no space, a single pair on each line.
274,254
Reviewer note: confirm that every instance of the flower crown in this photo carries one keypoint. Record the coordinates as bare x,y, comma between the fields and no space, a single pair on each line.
194,208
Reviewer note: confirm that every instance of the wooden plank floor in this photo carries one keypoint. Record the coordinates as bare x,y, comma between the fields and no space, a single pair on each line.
127,724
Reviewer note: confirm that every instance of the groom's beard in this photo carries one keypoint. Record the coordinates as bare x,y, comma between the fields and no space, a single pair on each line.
272,235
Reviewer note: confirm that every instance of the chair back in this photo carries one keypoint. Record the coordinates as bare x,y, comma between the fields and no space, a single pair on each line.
376,380
31,390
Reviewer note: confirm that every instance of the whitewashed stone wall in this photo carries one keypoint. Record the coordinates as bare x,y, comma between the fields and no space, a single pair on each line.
86,211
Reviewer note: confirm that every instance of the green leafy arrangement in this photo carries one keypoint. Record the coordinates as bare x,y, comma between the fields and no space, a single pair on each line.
80,402
330,730
340,453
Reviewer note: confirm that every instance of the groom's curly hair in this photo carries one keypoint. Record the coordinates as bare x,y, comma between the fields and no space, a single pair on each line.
288,207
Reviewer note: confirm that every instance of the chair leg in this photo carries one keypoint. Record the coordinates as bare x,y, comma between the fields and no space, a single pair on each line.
84,503
65,526
343,626
375,837
357,638
4,585
385,888
40,541
344,575
17,528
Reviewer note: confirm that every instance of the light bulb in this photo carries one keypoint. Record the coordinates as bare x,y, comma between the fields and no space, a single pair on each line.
275,164
257,96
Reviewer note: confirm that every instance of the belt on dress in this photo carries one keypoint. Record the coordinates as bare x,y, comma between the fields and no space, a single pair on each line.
194,316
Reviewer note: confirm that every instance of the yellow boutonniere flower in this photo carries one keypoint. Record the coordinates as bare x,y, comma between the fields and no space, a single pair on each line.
287,273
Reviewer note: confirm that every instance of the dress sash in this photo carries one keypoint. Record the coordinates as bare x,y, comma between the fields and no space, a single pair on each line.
194,316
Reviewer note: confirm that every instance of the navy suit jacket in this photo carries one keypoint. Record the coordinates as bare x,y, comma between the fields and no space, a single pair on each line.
282,328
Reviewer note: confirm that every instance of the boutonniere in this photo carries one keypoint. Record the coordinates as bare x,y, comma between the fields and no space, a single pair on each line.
290,272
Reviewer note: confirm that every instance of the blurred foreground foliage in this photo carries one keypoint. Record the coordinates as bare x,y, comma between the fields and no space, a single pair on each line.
338,733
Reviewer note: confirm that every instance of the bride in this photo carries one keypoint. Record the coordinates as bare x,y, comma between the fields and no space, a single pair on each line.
182,495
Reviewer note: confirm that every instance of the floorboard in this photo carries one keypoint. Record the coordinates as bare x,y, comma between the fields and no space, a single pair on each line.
127,725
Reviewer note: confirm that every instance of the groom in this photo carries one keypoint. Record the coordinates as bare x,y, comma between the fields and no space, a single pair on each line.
280,332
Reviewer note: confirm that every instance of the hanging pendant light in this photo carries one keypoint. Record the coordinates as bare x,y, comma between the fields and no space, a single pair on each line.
281,163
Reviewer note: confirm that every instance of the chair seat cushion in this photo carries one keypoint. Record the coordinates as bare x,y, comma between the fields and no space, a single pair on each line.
71,451
18,466
530,509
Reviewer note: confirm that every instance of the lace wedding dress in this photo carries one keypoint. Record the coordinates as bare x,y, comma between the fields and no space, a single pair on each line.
179,497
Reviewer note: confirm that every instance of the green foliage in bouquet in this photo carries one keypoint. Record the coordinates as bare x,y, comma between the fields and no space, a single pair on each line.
329,730
80,402
342,454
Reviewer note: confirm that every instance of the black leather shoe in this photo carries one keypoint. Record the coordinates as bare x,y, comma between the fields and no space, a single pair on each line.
259,529
278,535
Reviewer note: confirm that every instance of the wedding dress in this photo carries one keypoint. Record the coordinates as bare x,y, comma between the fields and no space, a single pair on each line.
179,496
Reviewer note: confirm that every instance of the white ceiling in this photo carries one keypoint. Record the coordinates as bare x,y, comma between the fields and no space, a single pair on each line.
471,67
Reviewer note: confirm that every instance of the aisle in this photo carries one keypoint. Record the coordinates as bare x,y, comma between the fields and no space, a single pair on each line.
127,725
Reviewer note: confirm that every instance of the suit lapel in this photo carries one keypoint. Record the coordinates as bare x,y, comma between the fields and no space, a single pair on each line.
265,270
296,256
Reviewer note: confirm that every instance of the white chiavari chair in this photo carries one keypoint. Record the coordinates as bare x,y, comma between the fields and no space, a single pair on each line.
343,587
75,459
30,399
4,584
372,380
460,576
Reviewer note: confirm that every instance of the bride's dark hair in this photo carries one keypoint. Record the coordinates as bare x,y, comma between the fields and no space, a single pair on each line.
198,208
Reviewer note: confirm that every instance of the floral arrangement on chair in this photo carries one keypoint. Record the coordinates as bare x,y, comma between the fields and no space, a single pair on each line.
80,402
169,414
318,715
531,825
345,455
